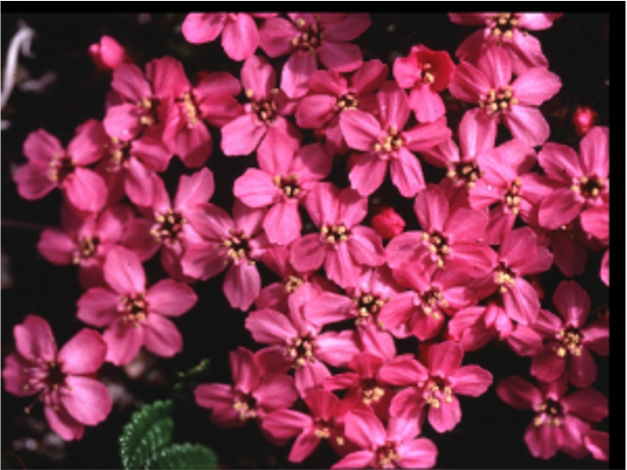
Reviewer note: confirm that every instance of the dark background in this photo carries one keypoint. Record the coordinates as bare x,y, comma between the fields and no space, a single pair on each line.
490,434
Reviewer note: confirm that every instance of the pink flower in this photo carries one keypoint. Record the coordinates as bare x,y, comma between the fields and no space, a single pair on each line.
263,123
239,31
396,447
283,182
50,165
325,421
427,73
604,273
330,93
387,223
509,32
227,242
309,36
569,245
582,180
435,385
254,393
450,238
85,242
342,246
135,316
584,119
304,347
561,422
61,380
515,103
108,54
168,227
567,341
383,140
598,443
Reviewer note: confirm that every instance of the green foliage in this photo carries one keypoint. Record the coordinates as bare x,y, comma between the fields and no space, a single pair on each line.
144,442
149,429
183,456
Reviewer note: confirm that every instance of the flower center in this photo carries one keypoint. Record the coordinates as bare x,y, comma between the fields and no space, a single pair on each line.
502,25
347,101
322,429
190,109
368,306
149,107
169,226
498,101
86,248
301,350
60,168
571,342
435,390
134,309
504,277
512,196
288,184
293,283
245,406
265,109
589,187
335,233
370,391
426,74
386,454
550,414
120,154
237,247
468,172
310,36
390,143
431,301
436,243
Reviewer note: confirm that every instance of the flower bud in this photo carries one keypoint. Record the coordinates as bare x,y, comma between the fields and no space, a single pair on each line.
584,119
388,223
108,54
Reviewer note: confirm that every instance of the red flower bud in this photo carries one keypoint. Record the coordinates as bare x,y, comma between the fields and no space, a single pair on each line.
108,54
388,223
584,119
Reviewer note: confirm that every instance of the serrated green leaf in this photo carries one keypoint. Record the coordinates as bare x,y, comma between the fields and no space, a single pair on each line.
186,456
148,430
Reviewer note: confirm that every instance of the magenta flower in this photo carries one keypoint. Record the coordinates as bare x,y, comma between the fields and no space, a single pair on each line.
62,380
254,392
598,443
435,385
508,31
561,422
448,240
568,340
50,165
304,347
582,180
387,223
432,293
85,242
515,103
263,123
168,227
135,316
604,272
344,247
427,73
330,93
240,37
325,421
309,36
235,243
396,447
569,245
384,140
108,54
283,182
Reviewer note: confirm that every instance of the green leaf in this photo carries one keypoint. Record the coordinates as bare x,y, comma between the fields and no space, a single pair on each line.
149,430
183,456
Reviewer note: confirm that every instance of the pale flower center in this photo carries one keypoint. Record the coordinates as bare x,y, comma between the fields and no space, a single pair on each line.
498,101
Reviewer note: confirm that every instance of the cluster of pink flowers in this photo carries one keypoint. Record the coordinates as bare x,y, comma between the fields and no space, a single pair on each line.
330,324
